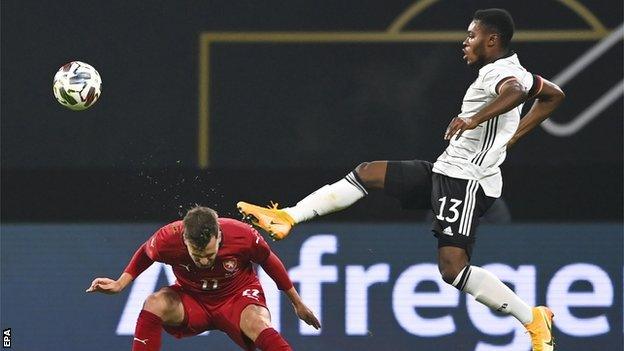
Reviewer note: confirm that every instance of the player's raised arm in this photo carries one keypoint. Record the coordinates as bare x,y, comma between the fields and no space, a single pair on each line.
511,93
139,263
547,98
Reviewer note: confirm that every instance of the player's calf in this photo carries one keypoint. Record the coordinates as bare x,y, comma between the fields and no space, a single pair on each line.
147,335
270,340
327,199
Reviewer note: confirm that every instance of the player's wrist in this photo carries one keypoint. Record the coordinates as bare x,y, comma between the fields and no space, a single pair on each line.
123,280
297,303
293,296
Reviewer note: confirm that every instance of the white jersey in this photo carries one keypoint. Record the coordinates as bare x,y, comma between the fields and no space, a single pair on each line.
479,152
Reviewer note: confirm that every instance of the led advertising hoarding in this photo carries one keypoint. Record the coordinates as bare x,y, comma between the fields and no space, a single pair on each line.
373,286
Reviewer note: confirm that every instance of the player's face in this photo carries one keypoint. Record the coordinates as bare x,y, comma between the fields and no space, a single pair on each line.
204,257
474,46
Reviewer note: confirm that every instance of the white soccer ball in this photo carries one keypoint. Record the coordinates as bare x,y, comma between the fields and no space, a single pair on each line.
77,85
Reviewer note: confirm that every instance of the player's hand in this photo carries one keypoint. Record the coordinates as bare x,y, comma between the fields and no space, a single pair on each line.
458,125
306,315
105,286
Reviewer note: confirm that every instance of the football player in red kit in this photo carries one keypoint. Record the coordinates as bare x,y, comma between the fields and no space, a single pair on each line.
216,287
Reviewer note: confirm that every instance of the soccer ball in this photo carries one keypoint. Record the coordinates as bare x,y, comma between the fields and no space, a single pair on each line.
77,85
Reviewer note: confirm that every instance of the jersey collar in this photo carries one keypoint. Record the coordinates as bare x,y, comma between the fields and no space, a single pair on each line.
510,55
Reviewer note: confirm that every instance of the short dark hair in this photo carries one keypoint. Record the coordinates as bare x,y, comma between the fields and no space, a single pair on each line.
497,20
200,226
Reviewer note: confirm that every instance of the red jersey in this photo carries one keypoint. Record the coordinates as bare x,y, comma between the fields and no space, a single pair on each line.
233,269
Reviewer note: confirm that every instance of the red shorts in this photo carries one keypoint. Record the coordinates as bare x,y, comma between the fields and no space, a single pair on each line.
201,315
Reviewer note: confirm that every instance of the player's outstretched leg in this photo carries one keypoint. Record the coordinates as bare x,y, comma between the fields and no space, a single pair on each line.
329,198
492,292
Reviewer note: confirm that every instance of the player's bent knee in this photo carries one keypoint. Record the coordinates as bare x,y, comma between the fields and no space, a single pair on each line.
254,319
449,270
372,174
451,261
163,303
448,274
155,304
361,169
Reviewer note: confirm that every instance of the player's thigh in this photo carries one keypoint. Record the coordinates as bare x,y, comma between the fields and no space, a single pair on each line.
410,182
228,317
196,317
457,205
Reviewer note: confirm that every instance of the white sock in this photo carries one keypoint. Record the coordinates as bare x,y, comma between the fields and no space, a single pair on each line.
490,291
328,199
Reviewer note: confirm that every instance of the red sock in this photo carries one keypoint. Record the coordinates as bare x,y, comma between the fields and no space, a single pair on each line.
270,340
147,335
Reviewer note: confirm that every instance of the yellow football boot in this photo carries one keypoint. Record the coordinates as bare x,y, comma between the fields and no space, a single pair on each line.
540,329
277,223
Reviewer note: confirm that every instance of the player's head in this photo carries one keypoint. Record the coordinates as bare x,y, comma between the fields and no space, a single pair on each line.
202,235
489,35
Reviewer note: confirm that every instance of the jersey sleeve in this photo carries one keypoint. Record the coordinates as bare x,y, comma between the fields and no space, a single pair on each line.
499,74
139,262
274,267
147,253
152,245
538,84
259,249
164,241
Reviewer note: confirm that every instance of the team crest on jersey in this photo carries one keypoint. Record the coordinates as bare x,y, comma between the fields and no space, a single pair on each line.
230,265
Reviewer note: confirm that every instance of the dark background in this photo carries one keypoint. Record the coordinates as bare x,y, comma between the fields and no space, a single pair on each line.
286,118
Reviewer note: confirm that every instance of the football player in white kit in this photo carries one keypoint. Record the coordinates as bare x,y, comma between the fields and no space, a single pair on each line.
465,179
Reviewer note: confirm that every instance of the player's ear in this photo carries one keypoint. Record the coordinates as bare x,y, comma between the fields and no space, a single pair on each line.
492,39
